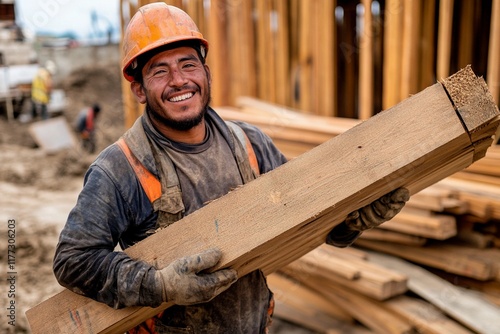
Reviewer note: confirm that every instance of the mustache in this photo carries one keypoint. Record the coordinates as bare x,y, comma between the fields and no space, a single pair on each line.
168,93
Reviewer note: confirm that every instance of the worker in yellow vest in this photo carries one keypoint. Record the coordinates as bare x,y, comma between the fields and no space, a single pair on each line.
178,156
41,88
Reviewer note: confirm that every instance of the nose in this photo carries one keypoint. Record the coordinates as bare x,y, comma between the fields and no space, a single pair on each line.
177,78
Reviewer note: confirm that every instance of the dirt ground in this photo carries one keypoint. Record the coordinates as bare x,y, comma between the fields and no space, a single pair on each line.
37,191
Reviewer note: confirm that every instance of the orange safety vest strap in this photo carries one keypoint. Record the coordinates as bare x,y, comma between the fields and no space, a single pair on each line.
149,182
251,156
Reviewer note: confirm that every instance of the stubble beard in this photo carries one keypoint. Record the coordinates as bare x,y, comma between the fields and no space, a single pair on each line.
179,125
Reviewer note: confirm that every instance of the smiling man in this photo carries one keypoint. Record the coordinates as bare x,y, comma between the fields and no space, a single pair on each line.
178,156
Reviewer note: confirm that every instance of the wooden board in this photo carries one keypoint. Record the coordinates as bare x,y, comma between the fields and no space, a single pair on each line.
437,257
370,280
424,316
461,304
290,210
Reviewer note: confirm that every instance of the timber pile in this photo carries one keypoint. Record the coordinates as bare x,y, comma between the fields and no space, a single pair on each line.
292,211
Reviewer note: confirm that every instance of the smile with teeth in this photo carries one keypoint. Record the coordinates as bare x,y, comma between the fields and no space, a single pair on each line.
181,97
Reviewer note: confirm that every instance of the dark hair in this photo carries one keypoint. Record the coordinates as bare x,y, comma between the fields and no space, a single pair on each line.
136,73
96,107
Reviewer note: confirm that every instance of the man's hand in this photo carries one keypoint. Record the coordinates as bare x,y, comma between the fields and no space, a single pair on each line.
184,284
379,211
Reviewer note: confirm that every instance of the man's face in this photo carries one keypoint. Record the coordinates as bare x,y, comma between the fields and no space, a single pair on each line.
176,88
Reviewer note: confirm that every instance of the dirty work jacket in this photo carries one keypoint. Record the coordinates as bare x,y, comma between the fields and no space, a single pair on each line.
113,208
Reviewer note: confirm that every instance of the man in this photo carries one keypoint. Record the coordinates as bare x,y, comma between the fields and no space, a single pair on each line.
85,126
179,135
41,88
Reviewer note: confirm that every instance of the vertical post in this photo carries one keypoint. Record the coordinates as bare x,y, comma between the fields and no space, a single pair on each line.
445,27
411,38
392,53
427,39
327,61
219,58
366,63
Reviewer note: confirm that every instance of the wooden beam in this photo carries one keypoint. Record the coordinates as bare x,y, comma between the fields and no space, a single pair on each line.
459,303
354,274
290,210
424,316
423,223
436,256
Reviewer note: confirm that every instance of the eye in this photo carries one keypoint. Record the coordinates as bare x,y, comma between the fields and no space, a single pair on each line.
159,72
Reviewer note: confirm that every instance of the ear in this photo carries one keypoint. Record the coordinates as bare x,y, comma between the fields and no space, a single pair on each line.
138,91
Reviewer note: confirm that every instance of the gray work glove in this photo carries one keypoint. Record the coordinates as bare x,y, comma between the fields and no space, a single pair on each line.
184,284
379,211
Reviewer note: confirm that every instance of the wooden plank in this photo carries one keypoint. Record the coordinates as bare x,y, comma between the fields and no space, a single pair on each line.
437,199
373,314
423,223
479,178
438,257
483,199
424,316
291,210
362,276
394,237
320,259
464,306
313,310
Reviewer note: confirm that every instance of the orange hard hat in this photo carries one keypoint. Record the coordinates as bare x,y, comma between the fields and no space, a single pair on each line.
155,25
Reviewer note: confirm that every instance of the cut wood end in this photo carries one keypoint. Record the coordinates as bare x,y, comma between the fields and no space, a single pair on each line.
474,103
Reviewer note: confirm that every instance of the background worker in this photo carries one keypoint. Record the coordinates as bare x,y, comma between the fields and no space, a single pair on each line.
41,88
182,137
85,126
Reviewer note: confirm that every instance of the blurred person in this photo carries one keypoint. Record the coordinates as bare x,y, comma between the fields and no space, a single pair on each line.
85,126
41,88
197,157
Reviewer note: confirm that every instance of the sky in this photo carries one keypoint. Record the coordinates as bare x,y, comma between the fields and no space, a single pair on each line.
70,16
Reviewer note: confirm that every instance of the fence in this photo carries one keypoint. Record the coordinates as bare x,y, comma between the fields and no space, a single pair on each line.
342,58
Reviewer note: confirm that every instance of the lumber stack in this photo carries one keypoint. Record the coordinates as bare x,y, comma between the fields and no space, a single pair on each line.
308,296
293,207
